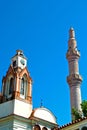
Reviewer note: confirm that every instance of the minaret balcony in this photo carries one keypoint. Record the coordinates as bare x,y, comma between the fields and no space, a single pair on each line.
74,78
72,53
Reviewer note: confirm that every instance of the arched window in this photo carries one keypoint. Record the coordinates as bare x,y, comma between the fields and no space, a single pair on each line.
55,128
84,128
23,87
44,128
11,85
37,127
3,89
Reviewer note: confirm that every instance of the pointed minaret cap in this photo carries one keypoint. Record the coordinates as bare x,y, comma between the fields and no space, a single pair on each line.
71,33
72,41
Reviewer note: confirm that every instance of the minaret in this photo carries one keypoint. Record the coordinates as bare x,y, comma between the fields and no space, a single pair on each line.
74,79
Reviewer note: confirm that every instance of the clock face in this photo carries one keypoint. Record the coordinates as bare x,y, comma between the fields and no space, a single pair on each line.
22,62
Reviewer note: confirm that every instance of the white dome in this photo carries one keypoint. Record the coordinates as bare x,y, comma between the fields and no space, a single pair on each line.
45,114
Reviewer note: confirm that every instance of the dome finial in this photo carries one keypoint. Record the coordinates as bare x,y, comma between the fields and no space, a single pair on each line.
41,105
71,33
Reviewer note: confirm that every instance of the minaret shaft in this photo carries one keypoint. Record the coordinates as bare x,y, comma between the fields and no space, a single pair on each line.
73,67
74,79
76,98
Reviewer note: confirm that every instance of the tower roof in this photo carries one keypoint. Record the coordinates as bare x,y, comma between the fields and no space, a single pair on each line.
72,41
19,53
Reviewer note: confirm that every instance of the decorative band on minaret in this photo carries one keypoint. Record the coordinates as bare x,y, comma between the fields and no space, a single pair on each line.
74,79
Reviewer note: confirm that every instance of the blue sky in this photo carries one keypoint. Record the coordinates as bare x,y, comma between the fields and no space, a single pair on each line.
40,28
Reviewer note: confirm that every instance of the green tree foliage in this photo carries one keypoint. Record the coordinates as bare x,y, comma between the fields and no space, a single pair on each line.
77,114
84,108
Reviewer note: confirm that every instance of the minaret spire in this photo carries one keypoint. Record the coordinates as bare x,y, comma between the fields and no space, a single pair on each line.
72,42
72,33
74,79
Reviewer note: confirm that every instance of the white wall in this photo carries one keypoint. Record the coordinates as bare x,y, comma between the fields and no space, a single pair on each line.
10,123
23,109
6,108
15,107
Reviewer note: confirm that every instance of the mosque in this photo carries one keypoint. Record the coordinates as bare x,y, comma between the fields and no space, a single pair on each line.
16,107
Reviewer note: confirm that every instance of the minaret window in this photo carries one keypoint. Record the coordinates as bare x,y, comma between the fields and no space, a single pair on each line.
11,85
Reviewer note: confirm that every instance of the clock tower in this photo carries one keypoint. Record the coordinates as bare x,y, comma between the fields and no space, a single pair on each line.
16,111
19,60
17,88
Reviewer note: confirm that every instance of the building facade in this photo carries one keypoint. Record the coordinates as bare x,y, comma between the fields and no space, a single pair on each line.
16,108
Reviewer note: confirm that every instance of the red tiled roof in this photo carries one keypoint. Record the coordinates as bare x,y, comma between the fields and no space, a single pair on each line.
73,122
